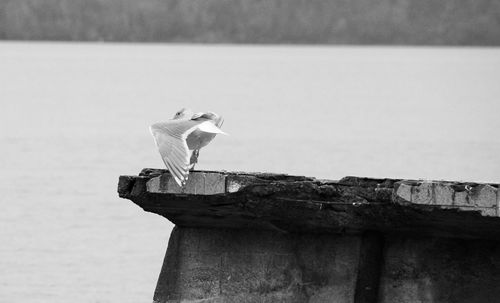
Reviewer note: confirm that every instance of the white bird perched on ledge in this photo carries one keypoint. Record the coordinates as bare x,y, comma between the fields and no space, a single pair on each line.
180,139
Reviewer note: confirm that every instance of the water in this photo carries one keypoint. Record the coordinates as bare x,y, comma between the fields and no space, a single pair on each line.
74,117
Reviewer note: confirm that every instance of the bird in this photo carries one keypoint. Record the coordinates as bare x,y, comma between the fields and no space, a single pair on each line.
180,139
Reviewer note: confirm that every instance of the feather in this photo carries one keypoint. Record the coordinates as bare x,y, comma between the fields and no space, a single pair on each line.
178,138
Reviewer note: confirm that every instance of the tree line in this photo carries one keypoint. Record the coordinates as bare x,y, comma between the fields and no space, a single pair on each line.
451,22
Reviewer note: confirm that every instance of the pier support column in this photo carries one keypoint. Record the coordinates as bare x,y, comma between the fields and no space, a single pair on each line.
244,238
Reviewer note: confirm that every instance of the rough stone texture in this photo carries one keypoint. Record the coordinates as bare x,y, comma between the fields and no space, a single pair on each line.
300,204
464,196
440,270
198,183
369,267
238,265
242,237
228,265
498,202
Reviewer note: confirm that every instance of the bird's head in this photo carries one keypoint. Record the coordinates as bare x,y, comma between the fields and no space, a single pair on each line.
184,113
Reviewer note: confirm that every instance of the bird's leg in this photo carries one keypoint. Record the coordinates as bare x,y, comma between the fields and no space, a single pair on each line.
194,158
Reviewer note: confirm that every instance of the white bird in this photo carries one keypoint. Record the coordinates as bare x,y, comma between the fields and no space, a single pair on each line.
180,139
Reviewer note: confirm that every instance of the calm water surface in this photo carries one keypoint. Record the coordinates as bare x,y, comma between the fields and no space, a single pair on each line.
75,116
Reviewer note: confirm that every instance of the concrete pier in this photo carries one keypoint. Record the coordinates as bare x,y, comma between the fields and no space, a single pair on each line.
252,237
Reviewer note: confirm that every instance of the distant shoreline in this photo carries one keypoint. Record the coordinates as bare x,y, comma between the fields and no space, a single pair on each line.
261,45
275,22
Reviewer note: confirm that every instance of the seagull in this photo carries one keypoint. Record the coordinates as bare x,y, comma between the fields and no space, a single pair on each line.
180,139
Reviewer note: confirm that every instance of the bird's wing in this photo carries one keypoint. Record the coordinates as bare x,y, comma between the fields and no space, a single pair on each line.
196,115
209,127
217,120
170,137
211,116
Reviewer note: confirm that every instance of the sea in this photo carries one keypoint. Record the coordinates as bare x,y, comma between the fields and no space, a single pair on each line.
75,116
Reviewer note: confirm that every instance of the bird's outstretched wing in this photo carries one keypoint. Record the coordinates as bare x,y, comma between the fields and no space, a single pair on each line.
216,119
170,137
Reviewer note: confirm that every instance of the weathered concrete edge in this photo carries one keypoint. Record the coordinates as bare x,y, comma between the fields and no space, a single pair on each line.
350,205
467,196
